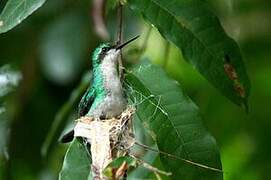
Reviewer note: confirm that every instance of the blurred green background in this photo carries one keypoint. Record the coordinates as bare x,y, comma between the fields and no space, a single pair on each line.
52,50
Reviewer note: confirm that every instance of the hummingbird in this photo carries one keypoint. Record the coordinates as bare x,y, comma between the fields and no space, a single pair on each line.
105,97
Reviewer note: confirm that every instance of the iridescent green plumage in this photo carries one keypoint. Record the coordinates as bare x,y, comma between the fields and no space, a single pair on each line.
96,92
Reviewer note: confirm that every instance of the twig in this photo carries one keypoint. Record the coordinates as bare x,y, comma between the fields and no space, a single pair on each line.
120,23
177,157
119,41
98,19
150,167
158,177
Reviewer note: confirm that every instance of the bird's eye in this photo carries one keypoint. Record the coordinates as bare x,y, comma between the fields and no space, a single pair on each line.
104,49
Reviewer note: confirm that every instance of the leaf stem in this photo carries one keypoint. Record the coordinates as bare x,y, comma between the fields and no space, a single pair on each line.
177,157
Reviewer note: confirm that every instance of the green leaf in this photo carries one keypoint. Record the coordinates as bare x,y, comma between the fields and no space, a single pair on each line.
4,137
141,172
111,4
151,157
17,10
9,79
141,135
194,29
173,121
77,164
62,115
116,163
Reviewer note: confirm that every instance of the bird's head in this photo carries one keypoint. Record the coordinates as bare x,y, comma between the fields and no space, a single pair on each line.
108,51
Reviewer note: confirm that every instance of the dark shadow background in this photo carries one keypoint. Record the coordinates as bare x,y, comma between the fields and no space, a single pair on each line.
52,49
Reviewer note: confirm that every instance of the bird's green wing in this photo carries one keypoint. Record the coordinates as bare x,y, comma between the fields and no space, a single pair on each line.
86,101
83,108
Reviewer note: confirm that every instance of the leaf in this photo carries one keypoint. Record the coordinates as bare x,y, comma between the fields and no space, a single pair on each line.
17,10
141,172
195,30
173,121
121,164
110,5
9,79
4,135
4,142
62,115
116,163
151,157
76,165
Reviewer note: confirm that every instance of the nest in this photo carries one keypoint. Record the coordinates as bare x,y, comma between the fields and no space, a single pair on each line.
109,138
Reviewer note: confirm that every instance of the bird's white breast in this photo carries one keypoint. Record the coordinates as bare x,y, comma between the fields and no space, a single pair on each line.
114,102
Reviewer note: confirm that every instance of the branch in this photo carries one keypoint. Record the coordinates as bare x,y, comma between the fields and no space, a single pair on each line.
98,19
177,157
119,41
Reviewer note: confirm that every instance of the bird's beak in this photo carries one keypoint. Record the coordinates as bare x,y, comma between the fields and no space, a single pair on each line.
127,42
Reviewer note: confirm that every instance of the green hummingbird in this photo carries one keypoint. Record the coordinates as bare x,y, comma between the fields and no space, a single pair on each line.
105,97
